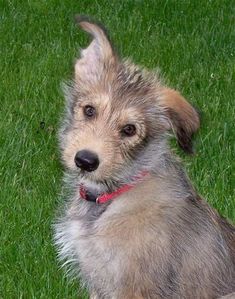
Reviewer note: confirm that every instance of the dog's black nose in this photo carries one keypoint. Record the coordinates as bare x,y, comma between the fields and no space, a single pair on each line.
86,160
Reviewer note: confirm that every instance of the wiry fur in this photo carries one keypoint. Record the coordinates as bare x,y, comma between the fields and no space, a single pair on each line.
159,239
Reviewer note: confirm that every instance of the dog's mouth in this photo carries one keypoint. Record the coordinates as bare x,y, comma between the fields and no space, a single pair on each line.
105,183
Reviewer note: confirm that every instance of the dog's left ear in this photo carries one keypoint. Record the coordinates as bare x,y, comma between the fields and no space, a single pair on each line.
98,56
183,118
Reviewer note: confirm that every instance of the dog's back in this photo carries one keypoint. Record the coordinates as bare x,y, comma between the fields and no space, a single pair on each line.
148,235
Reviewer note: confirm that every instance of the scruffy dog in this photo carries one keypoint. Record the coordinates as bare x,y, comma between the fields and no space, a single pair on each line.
133,226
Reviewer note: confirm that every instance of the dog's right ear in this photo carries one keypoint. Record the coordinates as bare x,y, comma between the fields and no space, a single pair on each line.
98,55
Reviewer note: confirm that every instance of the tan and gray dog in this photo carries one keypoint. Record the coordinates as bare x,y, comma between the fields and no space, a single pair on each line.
133,226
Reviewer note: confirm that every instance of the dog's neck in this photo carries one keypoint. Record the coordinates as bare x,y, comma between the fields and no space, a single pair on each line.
94,194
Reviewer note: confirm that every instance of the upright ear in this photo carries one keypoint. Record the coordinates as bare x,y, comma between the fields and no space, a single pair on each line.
97,55
183,118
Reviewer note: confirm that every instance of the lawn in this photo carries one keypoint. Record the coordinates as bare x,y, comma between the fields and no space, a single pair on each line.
193,44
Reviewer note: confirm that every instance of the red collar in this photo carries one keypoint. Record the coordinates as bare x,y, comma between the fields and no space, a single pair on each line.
103,198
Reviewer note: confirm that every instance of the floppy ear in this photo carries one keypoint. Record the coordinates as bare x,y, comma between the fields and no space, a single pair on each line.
97,55
182,116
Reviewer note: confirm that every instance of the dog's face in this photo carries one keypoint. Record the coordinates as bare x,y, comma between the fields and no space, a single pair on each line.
118,114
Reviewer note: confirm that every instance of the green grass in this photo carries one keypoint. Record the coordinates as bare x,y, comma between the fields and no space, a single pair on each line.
193,43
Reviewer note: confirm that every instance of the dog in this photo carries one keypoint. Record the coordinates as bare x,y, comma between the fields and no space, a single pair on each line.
132,226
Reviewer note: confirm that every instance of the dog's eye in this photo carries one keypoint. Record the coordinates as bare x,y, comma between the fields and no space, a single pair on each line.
89,111
128,130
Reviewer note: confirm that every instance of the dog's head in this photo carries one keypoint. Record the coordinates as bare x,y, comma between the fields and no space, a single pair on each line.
119,114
